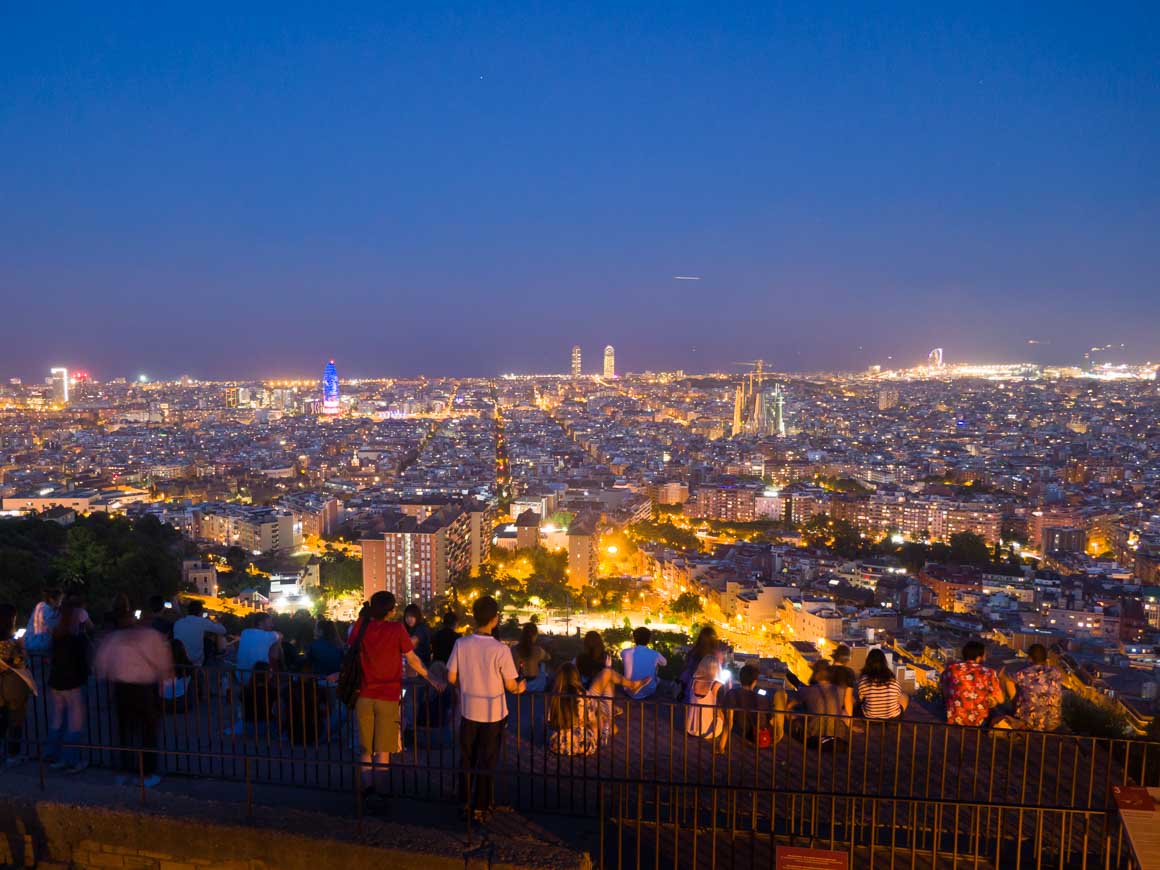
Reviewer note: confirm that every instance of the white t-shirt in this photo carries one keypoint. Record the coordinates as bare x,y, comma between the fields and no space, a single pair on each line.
191,631
481,664
254,646
641,662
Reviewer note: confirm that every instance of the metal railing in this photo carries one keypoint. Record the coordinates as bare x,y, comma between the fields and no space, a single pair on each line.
879,790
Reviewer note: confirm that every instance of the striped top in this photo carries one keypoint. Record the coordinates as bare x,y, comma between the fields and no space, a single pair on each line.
880,700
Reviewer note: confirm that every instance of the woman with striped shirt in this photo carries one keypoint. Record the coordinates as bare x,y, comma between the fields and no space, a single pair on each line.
878,691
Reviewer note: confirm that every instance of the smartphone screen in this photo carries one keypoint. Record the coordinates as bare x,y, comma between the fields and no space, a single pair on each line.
724,676
136,614
762,692
20,632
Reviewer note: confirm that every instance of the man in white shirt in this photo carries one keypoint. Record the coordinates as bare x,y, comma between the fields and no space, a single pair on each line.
258,644
641,662
191,630
482,668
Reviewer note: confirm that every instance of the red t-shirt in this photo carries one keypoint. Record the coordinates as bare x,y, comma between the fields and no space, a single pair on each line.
383,646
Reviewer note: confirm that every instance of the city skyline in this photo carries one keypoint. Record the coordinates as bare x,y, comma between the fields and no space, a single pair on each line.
842,190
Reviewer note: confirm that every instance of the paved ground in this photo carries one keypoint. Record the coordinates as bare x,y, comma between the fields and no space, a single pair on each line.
416,826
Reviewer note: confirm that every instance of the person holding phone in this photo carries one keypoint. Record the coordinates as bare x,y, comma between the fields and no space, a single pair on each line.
749,705
704,715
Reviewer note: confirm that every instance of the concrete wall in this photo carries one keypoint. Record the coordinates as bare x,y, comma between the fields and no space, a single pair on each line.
50,834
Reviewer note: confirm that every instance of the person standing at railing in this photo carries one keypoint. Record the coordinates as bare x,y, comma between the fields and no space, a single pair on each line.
67,676
136,659
970,688
383,646
531,659
15,687
46,614
483,670
418,631
324,655
444,639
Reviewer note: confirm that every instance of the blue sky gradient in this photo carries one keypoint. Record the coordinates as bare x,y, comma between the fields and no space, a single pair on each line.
472,189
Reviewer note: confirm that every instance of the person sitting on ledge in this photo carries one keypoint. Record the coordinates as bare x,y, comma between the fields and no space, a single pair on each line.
970,689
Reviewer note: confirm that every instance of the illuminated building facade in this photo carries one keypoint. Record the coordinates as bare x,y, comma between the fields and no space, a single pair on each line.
330,389
58,378
609,362
575,360
416,559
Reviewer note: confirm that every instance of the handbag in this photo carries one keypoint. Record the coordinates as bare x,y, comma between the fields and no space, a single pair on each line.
350,674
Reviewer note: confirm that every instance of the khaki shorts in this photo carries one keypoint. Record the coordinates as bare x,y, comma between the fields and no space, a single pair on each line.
378,725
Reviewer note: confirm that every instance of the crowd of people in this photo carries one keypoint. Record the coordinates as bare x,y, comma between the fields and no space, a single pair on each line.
456,677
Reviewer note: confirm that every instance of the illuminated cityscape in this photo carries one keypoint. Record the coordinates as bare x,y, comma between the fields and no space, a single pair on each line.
745,452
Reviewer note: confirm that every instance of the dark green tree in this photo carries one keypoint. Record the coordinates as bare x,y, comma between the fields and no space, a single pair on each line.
969,549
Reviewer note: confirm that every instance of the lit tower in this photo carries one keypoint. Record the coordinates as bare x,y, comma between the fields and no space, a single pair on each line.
777,407
609,362
58,377
330,389
935,358
575,360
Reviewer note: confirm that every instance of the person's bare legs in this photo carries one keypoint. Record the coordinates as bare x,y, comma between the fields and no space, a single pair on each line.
375,774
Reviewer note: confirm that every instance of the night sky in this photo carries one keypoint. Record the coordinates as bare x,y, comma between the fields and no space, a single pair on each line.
468,190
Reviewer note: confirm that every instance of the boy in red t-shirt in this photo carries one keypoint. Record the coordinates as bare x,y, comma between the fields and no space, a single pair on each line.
382,647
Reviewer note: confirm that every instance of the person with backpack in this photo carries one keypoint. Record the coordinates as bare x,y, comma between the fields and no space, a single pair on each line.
376,655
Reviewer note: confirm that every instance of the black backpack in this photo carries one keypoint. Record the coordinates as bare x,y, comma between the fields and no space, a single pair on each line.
350,675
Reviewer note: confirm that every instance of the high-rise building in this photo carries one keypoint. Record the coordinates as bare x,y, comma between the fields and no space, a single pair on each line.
887,398
416,559
330,389
609,362
583,555
575,360
58,377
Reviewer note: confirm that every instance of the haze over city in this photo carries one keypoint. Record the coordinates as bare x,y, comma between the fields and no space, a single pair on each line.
458,191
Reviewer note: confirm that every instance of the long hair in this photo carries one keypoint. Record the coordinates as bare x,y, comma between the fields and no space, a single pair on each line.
591,661
527,640
414,611
564,705
69,609
705,644
707,669
876,670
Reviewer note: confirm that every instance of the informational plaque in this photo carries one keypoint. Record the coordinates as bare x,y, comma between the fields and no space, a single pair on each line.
794,858
1133,797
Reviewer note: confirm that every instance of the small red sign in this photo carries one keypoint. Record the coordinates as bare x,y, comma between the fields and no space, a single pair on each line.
793,858
1133,797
